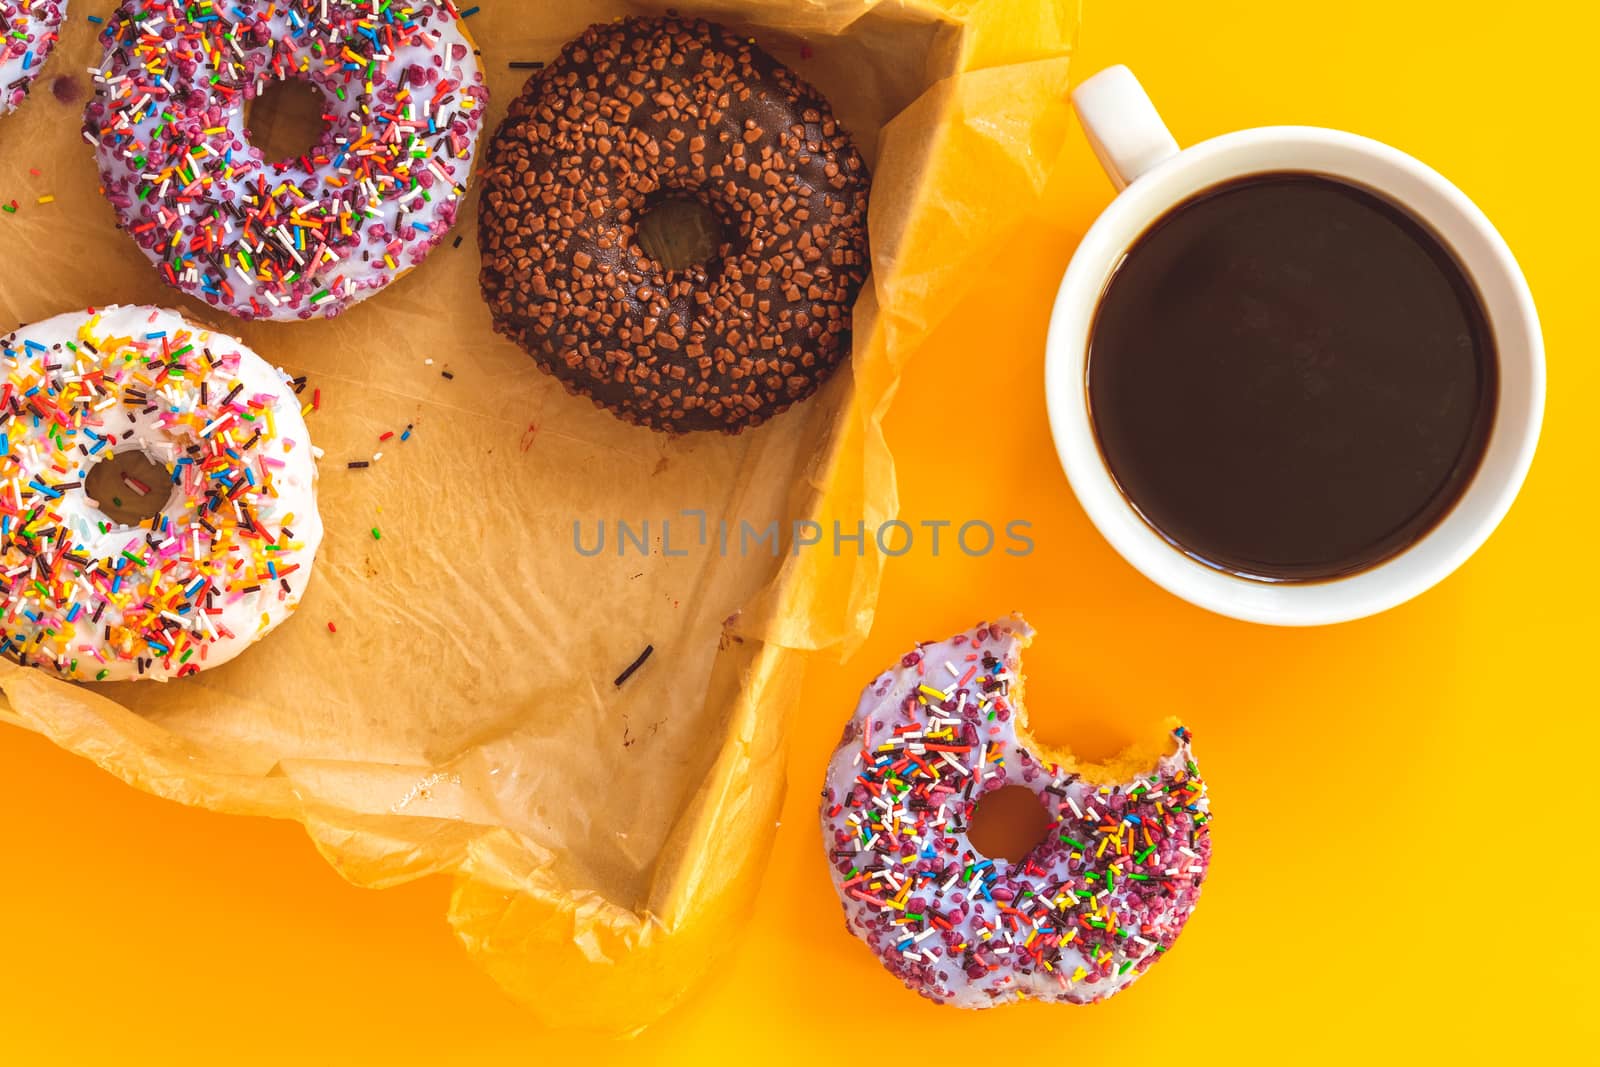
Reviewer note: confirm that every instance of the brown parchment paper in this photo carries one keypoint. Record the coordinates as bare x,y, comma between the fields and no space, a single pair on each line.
463,718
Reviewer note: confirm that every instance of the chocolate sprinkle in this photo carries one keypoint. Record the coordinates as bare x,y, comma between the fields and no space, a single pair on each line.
635,665
644,110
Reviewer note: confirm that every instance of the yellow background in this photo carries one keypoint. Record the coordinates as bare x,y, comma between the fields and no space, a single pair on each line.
1404,856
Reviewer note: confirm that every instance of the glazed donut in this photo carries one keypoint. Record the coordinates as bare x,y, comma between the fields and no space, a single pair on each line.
290,240
230,553
28,30
645,110
1076,919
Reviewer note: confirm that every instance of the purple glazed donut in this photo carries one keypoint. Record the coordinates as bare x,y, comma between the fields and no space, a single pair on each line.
304,237
1079,917
28,30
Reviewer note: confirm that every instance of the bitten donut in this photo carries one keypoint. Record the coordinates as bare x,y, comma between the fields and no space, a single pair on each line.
635,113
1081,916
300,238
29,29
230,553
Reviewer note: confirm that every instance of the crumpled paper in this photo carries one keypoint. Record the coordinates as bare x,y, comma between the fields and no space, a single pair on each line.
460,715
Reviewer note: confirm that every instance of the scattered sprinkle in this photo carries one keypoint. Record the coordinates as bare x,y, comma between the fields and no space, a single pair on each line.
627,671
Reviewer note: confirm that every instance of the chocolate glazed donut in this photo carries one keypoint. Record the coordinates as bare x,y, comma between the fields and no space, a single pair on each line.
645,110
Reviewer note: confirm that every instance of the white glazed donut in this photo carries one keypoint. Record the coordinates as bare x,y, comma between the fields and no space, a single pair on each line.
231,552
28,30
1081,916
263,239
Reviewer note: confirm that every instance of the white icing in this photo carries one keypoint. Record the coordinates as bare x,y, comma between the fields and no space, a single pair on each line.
949,877
22,57
281,457
271,239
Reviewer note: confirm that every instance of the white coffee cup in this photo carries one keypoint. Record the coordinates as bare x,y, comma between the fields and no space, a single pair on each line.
1153,176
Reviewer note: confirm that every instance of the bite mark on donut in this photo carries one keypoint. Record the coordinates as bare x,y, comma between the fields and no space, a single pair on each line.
1079,917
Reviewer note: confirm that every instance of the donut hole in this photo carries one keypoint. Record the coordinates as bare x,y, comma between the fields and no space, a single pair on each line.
679,233
130,488
285,120
1008,823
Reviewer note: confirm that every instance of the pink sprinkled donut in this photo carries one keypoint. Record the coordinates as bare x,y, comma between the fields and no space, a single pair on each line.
28,31
299,238
1079,917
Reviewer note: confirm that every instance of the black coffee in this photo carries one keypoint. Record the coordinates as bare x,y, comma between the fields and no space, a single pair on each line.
1291,378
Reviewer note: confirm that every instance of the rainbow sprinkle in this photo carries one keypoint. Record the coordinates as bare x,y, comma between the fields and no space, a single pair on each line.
296,238
1092,905
222,562
29,30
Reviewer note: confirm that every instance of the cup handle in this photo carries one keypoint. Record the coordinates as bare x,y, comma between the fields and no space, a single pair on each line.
1127,134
